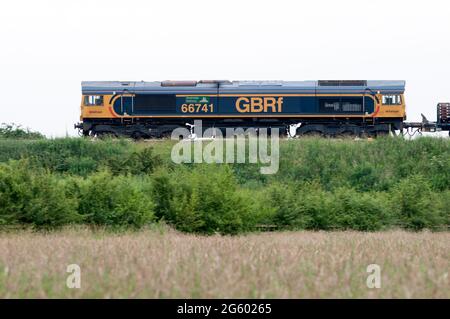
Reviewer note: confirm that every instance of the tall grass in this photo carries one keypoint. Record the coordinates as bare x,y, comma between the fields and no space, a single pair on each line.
169,264
321,184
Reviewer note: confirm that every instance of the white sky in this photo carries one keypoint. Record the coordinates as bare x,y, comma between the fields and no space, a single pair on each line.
48,47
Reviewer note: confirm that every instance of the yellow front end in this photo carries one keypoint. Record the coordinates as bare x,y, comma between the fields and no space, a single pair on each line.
391,106
96,106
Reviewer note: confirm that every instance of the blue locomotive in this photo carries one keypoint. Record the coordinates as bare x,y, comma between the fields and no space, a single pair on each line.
328,107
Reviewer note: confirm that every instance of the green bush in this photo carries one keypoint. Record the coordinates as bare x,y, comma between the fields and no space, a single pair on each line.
284,202
365,166
308,206
444,208
76,156
13,131
116,200
142,161
359,211
34,197
416,205
205,199
79,156
163,194
15,192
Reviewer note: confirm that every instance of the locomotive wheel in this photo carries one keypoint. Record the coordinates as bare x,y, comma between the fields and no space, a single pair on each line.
381,133
137,135
105,135
313,134
165,135
346,134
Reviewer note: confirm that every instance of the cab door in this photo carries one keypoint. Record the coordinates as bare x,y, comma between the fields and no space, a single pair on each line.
126,103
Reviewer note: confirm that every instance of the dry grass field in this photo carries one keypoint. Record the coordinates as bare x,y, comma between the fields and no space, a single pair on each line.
167,264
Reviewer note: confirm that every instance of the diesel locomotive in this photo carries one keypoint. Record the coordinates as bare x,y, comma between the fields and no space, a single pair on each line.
326,107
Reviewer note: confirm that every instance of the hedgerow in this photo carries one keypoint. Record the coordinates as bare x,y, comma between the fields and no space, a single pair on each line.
322,184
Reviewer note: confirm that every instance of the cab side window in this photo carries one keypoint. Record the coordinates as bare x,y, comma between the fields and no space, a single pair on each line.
93,100
392,99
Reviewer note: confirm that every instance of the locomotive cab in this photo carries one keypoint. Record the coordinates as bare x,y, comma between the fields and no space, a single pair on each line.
391,105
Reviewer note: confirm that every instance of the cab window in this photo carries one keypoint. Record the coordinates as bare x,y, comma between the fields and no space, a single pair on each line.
93,100
392,99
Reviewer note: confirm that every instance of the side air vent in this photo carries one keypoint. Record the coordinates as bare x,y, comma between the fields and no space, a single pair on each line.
342,83
179,83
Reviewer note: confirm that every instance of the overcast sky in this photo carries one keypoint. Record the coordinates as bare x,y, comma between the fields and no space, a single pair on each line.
49,47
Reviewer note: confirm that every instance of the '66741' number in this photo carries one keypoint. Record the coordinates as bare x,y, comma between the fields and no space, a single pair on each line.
197,108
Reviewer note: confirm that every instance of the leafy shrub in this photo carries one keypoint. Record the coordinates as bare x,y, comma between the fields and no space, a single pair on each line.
34,197
142,161
13,131
76,156
285,204
163,194
416,205
359,211
82,157
115,200
365,166
308,206
444,208
14,192
203,200
364,177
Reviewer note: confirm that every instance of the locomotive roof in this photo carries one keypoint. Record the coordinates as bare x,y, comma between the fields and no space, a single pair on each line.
211,87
